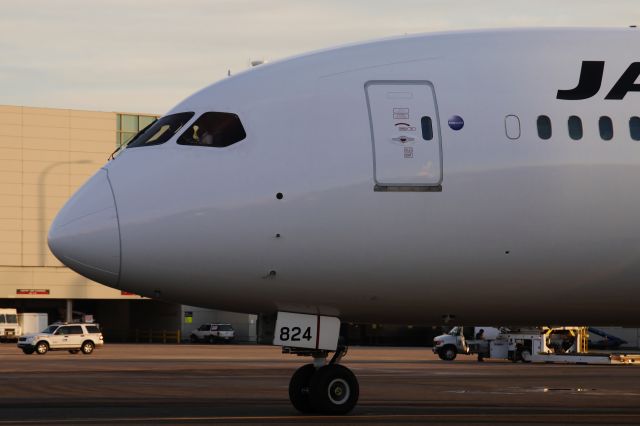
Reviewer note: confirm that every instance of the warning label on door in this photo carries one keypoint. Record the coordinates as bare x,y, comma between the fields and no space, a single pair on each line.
400,113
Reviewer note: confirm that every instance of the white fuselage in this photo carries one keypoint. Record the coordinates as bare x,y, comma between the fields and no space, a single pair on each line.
524,231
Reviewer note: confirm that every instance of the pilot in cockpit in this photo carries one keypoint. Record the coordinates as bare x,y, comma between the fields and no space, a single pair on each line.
206,138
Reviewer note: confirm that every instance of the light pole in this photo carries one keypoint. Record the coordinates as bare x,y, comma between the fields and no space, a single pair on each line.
42,228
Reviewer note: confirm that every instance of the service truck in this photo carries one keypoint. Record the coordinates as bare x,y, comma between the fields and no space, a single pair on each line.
9,327
534,344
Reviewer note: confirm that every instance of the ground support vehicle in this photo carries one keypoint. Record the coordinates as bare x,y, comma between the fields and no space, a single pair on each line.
540,344
459,340
567,345
213,333
9,327
73,337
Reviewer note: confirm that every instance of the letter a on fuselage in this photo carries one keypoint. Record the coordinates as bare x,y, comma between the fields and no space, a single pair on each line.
626,83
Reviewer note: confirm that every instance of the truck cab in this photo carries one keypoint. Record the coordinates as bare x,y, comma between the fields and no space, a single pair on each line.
449,345
9,327
462,340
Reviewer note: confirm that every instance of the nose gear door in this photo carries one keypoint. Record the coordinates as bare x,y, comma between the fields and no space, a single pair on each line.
405,132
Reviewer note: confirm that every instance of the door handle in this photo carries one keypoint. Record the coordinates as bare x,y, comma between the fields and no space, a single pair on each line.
403,139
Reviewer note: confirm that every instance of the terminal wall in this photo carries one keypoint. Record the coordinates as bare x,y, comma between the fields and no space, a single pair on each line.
45,155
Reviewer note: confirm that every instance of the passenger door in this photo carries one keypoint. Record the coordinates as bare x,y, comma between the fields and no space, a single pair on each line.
214,331
60,338
76,336
405,132
202,331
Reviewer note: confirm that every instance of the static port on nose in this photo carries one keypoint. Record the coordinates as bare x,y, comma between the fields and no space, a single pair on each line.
85,234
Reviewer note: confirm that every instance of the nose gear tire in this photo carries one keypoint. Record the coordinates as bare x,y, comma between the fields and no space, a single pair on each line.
334,390
299,392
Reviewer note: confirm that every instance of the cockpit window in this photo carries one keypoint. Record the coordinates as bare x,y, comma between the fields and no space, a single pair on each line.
161,130
216,129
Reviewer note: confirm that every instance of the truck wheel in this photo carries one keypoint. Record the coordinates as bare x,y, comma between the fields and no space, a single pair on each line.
525,356
87,347
211,339
448,353
193,338
42,348
28,351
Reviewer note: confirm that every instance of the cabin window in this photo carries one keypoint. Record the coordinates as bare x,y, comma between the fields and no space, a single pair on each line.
544,127
512,126
606,128
93,329
427,128
161,130
66,330
75,329
634,128
215,129
575,127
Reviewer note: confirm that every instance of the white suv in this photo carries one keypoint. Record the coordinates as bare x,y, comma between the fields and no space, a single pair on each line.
213,333
71,337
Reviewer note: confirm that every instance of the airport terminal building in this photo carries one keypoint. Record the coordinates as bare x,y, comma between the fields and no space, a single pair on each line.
45,156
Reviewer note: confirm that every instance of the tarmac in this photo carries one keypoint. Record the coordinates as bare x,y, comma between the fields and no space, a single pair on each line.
247,384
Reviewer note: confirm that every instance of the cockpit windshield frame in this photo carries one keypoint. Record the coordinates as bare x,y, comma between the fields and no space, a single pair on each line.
161,130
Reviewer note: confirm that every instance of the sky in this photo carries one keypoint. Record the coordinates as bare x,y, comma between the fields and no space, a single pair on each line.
147,55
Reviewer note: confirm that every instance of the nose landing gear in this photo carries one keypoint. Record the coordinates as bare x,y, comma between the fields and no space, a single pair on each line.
323,388
320,387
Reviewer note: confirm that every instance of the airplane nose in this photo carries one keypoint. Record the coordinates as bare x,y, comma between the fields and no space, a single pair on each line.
85,235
